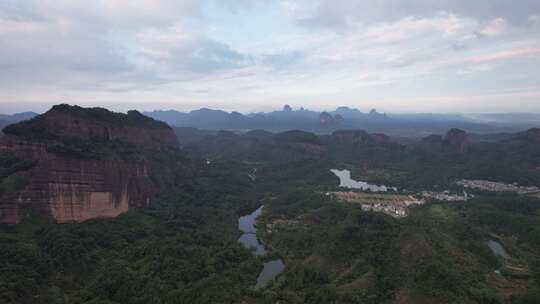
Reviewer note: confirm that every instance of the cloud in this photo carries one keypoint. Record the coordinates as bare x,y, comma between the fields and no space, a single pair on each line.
332,13
494,28
105,44
281,50
37,52
181,52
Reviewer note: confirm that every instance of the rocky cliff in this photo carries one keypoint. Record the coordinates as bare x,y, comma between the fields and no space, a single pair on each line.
352,136
94,124
455,140
360,137
529,137
86,163
326,119
432,143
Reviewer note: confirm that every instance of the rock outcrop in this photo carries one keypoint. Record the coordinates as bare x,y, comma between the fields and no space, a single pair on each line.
301,145
455,140
432,143
529,137
88,163
534,135
326,119
360,137
352,136
94,124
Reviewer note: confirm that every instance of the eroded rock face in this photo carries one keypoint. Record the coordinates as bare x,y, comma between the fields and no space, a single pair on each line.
95,124
68,188
74,190
531,136
353,136
326,119
433,139
380,138
360,137
432,142
457,140
534,135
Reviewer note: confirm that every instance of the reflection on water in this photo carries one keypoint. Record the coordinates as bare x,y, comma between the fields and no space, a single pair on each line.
497,249
271,269
250,240
246,223
346,181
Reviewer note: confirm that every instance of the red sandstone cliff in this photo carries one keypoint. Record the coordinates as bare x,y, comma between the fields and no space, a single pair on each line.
352,136
67,187
455,140
360,137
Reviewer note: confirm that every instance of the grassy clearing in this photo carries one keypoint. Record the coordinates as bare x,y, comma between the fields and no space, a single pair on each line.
372,198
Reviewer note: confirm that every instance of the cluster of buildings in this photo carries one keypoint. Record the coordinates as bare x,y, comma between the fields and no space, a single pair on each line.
397,205
497,187
390,209
393,205
446,196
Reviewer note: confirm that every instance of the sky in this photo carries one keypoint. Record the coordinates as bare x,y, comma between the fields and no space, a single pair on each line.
256,55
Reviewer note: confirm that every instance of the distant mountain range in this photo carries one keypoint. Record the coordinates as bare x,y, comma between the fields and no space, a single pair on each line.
324,122
6,119
17,116
347,118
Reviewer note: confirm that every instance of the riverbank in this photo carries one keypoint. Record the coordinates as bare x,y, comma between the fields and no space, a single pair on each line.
271,269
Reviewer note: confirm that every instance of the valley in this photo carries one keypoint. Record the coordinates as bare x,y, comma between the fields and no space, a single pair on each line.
397,222
270,152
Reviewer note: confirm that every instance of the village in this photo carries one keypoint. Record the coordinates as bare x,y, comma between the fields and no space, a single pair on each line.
446,196
497,187
395,205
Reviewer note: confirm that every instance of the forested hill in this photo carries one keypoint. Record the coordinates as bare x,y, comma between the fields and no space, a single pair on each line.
424,238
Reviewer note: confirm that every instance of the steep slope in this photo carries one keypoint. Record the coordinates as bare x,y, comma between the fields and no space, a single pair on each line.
85,163
14,118
455,140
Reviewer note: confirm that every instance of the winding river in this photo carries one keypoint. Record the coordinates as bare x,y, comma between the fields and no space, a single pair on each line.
497,249
271,269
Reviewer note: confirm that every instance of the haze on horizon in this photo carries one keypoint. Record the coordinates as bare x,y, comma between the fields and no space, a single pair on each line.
256,55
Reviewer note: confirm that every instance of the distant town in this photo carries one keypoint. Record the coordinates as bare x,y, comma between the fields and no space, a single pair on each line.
485,185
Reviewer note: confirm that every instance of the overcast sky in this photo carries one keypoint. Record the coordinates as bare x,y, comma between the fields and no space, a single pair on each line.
253,55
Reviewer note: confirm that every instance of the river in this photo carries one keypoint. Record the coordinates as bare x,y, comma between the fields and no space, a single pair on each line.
271,269
346,181
497,249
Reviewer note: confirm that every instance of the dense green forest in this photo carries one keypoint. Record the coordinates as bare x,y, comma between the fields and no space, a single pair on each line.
337,253
184,247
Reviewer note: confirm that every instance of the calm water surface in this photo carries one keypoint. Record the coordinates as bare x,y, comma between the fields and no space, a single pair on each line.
346,181
271,269
497,249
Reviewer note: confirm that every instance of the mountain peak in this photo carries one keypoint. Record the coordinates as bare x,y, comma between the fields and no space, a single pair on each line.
458,139
326,119
66,122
